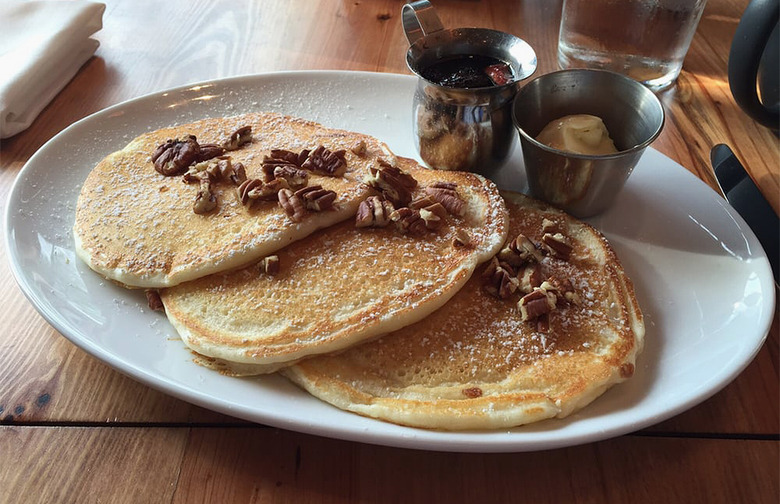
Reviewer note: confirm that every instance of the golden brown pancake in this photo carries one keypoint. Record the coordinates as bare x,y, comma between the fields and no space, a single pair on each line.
137,226
475,364
339,286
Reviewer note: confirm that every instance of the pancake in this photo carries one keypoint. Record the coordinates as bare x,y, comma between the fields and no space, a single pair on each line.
476,364
138,227
341,285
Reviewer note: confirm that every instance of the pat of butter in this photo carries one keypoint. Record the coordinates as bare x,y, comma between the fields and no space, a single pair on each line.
580,134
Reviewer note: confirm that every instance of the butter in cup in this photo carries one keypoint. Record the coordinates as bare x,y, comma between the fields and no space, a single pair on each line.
578,134
584,185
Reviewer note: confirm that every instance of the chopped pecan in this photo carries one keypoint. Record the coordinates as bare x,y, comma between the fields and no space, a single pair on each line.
272,188
490,268
509,256
198,172
321,160
270,164
218,168
292,205
174,156
446,194
215,170
238,138
461,239
154,300
563,289
549,226
359,149
432,212
373,212
210,151
245,188
251,190
394,184
282,158
472,392
205,200
295,177
557,245
290,157
572,297
207,173
270,265
424,202
530,276
519,251
432,220
316,198
500,279
409,221
536,303
526,249
235,172
445,185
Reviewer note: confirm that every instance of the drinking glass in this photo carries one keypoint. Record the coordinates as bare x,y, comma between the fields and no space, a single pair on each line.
644,39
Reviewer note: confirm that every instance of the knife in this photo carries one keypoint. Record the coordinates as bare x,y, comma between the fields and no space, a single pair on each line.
743,194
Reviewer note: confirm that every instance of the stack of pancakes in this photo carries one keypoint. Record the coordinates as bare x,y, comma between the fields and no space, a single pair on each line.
369,301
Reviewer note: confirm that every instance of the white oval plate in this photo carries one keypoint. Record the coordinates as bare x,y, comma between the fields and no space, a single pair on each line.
701,277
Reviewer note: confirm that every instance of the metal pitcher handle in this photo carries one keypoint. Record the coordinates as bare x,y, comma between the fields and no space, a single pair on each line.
419,19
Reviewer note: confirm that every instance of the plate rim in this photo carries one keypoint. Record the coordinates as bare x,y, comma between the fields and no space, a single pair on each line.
193,396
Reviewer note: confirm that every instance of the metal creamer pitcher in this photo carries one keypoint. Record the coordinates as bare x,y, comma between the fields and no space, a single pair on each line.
462,128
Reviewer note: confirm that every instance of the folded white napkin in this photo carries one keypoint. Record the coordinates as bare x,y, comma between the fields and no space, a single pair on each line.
43,45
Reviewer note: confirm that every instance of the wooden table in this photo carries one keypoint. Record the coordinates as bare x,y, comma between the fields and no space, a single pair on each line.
74,430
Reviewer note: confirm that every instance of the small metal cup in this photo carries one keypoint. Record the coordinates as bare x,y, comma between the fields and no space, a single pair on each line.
585,185
455,128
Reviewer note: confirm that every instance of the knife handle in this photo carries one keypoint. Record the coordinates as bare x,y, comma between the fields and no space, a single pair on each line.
743,194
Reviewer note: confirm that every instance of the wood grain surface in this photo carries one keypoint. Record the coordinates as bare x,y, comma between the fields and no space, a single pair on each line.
74,430
256,464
